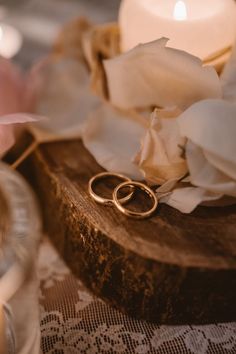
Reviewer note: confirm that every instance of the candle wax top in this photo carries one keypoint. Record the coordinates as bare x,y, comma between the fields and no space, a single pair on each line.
193,9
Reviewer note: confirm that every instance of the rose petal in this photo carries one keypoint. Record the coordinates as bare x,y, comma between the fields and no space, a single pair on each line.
160,156
187,199
211,124
64,97
222,165
19,118
209,127
11,128
155,75
12,89
205,175
114,139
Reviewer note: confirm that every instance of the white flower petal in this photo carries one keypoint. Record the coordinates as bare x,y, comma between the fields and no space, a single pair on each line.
154,75
205,175
113,138
187,199
211,124
64,97
221,164
209,127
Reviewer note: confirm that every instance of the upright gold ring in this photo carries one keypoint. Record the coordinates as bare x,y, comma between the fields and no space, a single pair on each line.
106,201
130,213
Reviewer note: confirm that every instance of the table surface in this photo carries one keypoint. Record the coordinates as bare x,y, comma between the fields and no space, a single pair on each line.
72,320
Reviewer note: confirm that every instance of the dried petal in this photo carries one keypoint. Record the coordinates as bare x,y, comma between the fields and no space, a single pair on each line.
160,157
228,78
99,43
69,42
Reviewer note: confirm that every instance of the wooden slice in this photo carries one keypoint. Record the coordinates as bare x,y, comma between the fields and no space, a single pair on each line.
172,268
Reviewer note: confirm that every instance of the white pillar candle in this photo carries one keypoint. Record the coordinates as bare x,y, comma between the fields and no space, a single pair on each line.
200,27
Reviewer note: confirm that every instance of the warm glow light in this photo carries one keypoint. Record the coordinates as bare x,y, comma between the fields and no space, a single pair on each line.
10,41
180,11
199,27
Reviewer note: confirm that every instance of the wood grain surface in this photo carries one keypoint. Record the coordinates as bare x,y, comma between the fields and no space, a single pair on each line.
172,268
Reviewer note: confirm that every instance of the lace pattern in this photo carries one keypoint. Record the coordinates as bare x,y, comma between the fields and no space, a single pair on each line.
73,321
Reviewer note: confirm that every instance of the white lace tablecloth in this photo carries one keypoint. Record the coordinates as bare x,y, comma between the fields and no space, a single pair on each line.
73,321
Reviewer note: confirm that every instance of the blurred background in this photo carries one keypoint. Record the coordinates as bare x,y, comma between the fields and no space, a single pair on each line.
38,21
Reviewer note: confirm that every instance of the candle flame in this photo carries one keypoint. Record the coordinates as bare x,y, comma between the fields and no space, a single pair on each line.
180,11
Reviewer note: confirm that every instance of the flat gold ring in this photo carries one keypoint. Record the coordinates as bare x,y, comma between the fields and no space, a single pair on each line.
106,201
130,213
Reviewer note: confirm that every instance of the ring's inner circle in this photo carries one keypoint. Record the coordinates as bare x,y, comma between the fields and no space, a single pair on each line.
142,201
104,187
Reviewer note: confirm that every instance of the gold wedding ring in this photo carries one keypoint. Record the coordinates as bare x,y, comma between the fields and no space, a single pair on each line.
130,213
106,201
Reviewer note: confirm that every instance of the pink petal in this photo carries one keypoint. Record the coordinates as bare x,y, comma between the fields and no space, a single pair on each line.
19,118
12,88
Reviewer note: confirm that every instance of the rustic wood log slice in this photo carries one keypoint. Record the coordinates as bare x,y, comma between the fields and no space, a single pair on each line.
170,269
